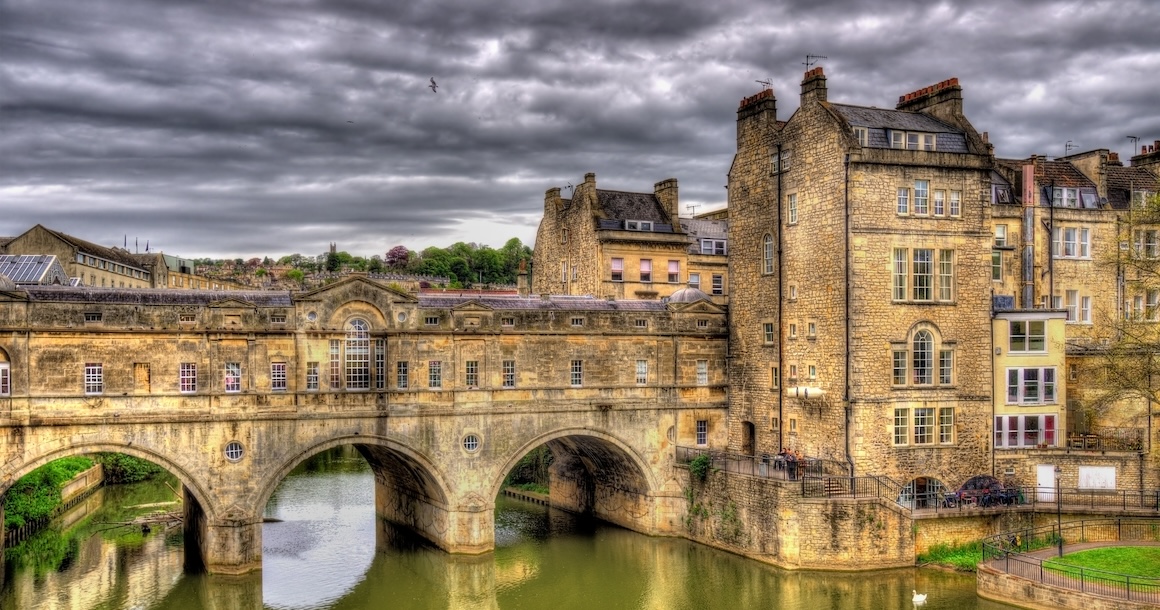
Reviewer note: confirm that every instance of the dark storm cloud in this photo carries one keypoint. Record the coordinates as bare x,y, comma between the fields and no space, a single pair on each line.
254,128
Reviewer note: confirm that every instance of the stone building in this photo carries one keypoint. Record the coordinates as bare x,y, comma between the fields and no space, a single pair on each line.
622,245
860,299
99,266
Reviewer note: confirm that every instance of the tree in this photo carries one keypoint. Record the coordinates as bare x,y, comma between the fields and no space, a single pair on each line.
398,257
295,275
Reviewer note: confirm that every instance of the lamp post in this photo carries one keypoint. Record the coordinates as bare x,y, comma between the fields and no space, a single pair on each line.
1058,511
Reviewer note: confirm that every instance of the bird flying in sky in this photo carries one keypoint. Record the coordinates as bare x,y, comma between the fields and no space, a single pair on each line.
434,87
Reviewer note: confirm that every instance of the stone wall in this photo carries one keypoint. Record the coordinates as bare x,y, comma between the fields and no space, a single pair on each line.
1008,589
768,520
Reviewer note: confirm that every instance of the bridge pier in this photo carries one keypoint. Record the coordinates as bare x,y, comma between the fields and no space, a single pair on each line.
230,545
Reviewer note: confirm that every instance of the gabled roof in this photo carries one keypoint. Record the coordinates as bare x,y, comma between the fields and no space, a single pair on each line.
709,229
620,205
351,281
1060,174
111,254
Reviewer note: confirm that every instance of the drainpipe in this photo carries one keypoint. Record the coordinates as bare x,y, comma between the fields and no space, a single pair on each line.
780,308
1051,248
849,327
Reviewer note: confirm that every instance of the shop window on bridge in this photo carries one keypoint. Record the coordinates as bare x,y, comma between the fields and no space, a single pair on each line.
312,376
380,364
5,380
401,380
94,378
233,377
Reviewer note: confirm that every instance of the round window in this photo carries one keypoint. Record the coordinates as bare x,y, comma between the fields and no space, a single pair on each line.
402,316
471,443
312,316
234,451
672,434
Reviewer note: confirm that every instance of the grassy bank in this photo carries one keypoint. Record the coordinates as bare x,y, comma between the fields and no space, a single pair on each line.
965,557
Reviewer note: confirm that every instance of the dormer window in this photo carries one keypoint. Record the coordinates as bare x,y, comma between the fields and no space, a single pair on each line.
638,225
861,134
912,140
712,246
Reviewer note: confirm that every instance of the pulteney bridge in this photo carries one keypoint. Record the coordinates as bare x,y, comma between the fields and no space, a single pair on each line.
442,394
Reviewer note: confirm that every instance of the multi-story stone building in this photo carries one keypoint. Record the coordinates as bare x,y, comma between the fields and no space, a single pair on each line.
623,245
860,302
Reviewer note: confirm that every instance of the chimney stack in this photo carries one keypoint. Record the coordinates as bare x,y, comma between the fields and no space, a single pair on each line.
814,85
666,194
945,97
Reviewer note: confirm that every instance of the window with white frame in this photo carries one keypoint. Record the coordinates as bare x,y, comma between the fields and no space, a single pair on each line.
509,373
618,269
713,246
564,272
1085,310
1031,385
922,197
939,202
861,134
956,205
1151,305
1065,198
946,367
923,426
575,272
901,426
187,377
1001,236
774,377
380,364
577,321
638,225
927,278
1071,242
702,432
1027,336
335,365
471,374
577,373
674,272
5,379
312,376
358,355
507,321
922,361
903,205
641,372
94,378
718,284
1020,431
793,330
767,254
997,265
784,163
1146,244
232,377
401,375
1072,301
812,330
278,376
946,425
922,358
793,372
695,280
645,270
435,374
767,333
702,372
1139,198
791,211
811,371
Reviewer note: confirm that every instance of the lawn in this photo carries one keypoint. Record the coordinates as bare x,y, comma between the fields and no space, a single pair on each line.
1130,560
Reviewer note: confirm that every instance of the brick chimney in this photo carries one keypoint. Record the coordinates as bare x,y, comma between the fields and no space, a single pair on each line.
552,201
1149,158
943,99
756,115
666,194
814,85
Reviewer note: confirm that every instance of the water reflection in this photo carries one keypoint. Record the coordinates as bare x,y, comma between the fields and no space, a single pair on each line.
329,552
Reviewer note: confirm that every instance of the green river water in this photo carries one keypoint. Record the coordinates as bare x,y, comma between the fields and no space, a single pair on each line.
327,552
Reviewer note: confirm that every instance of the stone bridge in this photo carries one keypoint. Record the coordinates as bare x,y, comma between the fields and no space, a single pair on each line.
443,395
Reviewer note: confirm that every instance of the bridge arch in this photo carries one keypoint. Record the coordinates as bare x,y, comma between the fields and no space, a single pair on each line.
13,471
597,445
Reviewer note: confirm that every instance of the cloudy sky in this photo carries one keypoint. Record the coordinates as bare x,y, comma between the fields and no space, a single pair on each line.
266,127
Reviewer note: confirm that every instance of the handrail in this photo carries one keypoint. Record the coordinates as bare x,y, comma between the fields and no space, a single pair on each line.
1009,552
765,466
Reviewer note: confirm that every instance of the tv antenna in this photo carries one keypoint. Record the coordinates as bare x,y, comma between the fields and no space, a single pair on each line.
1067,148
767,83
812,59
1135,141
692,207
570,188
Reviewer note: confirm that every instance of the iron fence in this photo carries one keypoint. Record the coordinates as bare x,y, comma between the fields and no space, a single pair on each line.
1010,552
766,466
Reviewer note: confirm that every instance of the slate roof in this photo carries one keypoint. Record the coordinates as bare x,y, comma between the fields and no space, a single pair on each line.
1123,180
32,269
553,302
146,296
88,247
1061,174
709,229
879,121
620,205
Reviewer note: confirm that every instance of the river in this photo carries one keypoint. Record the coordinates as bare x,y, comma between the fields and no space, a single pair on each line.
326,552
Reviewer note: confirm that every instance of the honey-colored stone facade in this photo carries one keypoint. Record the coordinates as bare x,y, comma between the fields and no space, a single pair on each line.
829,294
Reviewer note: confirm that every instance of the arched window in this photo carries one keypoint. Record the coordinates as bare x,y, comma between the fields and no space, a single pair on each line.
767,250
358,355
922,357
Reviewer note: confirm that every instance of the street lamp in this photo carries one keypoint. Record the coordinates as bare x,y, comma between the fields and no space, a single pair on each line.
1058,511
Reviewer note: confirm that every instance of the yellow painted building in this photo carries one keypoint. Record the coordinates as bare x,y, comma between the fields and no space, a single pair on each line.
1029,391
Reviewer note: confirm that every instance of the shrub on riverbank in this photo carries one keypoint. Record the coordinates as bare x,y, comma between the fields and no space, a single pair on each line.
121,468
37,494
963,557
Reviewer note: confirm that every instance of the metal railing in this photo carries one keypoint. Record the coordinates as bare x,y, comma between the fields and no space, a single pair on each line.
766,466
1009,552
